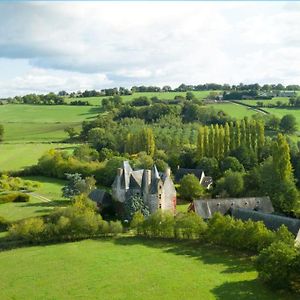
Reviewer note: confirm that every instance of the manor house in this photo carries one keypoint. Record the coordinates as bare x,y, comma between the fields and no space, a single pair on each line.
156,189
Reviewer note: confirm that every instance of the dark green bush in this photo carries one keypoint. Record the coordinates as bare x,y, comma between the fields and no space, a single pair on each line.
14,197
278,265
3,224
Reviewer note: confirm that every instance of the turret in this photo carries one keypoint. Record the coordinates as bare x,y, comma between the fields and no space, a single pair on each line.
168,172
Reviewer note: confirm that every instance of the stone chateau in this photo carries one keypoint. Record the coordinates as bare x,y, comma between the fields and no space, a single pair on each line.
156,189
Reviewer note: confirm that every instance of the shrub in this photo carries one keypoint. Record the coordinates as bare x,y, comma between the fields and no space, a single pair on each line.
14,197
115,227
189,226
75,222
137,222
3,224
31,230
159,224
276,265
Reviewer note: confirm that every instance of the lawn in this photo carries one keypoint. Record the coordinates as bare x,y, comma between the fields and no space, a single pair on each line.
18,156
50,189
160,95
128,268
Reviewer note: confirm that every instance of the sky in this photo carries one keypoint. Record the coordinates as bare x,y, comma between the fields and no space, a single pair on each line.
53,46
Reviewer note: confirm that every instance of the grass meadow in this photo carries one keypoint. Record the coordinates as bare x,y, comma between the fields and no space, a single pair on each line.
160,95
21,155
266,102
129,268
42,201
234,110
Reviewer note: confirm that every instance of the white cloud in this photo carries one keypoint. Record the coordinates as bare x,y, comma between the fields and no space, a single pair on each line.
126,43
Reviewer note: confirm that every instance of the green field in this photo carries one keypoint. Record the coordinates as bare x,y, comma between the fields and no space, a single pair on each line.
234,110
18,156
42,202
40,123
266,102
280,112
160,95
128,268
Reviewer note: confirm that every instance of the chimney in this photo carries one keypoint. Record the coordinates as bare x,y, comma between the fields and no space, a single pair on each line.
168,172
119,171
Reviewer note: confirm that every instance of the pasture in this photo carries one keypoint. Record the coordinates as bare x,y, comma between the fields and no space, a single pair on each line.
42,123
19,156
234,110
127,98
266,102
129,268
280,112
42,201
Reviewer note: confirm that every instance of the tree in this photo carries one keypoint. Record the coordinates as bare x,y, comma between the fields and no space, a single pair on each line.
232,184
1,132
190,96
133,205
86,153
190,187
231,163
282,159
71,131
76,185
100,138
275,264
210,166
288,124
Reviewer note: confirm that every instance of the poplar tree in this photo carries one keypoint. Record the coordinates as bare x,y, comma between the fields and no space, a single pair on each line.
237,134
253,133
200,144
217,142
243,133
206,141
211,141
260,132
226,139
282,159
221,142
232,132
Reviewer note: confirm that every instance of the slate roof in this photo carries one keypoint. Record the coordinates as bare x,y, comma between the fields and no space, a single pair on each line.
206,208
101,197
206,181
271,221
182,172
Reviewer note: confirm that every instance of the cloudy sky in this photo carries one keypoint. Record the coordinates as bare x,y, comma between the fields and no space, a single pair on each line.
52,46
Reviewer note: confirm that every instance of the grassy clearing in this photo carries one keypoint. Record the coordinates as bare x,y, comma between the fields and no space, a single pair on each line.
160,95
234,110
280,112
266,102
128,268
37,132
22,113
19,156
42,123
50,189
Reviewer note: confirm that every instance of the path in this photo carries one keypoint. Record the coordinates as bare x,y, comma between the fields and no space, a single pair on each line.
252,107
42,198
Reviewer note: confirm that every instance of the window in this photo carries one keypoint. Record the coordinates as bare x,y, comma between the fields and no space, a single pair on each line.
159,196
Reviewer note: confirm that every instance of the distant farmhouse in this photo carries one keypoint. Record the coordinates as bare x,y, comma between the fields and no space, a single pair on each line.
156,189
205,181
